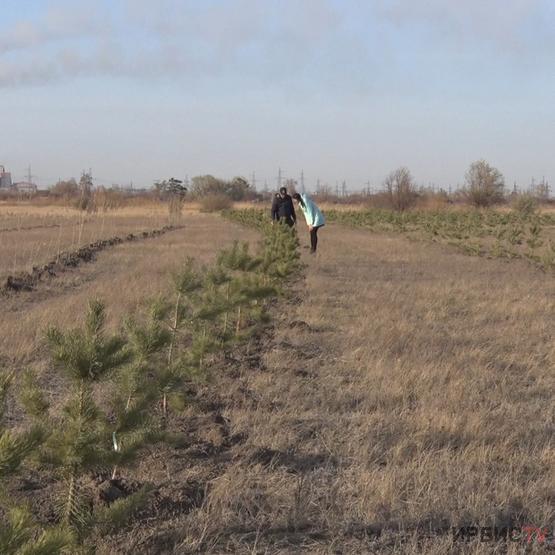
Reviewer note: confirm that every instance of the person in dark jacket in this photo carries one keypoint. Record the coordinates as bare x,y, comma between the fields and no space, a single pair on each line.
283,209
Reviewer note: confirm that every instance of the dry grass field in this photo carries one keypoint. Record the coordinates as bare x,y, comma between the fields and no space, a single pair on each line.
403,389
34,235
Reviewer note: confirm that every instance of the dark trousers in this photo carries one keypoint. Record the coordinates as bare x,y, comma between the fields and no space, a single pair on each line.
288,220
314,238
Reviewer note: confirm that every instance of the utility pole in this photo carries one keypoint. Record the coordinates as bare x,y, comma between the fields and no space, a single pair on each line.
318,186
303,190
344,189
253,181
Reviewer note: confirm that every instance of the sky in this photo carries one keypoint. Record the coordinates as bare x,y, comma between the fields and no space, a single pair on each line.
349,90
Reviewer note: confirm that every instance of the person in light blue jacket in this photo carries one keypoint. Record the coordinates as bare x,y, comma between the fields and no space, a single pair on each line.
313,216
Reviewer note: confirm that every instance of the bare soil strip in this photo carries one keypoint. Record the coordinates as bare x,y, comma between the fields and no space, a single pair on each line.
26,281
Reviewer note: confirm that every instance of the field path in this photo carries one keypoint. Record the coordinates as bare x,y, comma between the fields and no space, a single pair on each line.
408,388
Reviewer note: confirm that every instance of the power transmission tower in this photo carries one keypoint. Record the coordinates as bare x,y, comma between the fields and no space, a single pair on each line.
253,181
29,174
547,190
279,178
344,189
318,186
303,190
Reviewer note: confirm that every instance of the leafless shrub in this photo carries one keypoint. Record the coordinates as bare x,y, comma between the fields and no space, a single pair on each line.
236,189
108,199
484,184
400,189
325,194
66,190
215,203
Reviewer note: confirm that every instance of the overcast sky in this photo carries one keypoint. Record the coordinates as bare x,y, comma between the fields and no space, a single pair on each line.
344,89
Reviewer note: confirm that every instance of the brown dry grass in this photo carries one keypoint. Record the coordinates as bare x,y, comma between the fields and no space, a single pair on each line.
416,395
421,398
33,235
122,276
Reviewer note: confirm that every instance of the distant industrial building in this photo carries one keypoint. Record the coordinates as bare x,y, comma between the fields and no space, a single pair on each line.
21,187
25,188
5,179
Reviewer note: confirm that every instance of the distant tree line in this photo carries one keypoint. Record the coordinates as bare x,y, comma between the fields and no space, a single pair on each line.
201,186
484,186
210,191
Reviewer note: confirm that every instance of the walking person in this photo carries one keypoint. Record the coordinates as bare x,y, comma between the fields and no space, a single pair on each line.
283,209
313,216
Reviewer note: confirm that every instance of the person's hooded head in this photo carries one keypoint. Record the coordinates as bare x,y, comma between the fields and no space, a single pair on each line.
299,199
283,192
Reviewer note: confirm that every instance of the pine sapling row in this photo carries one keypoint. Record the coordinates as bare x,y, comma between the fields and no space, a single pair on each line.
157,353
